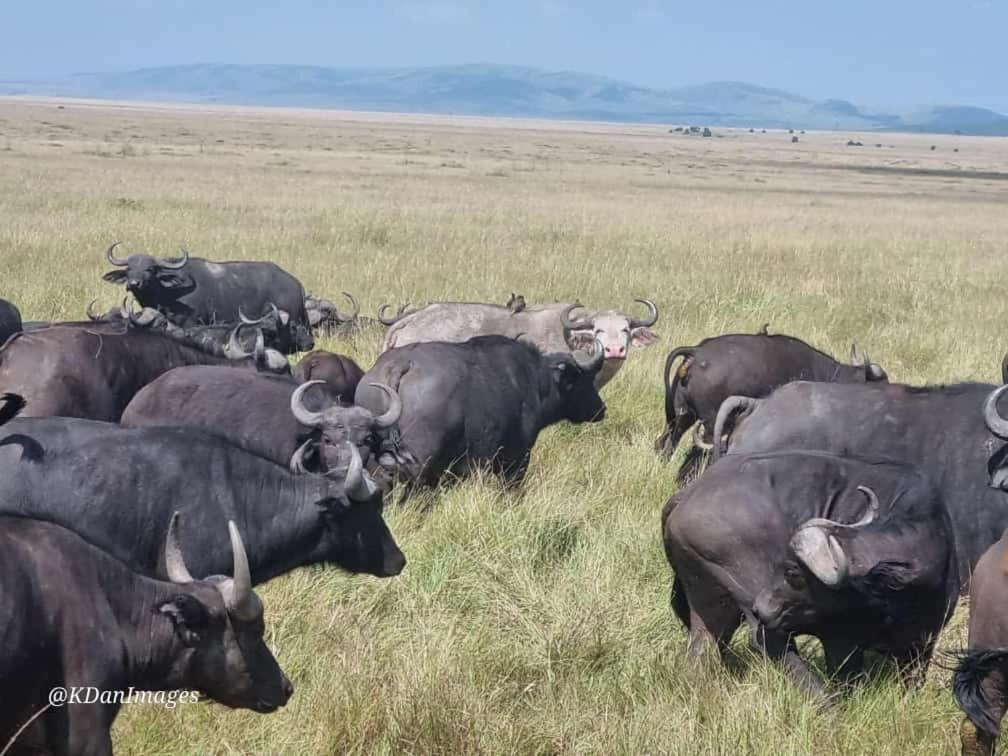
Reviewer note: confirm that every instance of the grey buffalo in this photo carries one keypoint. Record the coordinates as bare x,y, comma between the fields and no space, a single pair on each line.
10,320
118,487
267,415
191,291
76,618
95,371
552,327
855,552
742,364
981,677
481,402
939,429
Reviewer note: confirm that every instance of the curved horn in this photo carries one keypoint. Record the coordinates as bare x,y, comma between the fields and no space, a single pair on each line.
92,315
730,407
247,320
113,260
698,440
573,325
175,264
232,349
996,424
866,519
301,413
1004,368
394,411
238,597
353,304
175,566
356,480
594,362
652,317
822,554
297,465
384,320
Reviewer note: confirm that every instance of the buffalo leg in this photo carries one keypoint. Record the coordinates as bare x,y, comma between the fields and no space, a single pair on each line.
913,666
994,690
781,649
692,466
713,619
669,439
844,660
975,742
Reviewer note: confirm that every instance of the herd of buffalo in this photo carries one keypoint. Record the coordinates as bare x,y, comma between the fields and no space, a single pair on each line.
158,462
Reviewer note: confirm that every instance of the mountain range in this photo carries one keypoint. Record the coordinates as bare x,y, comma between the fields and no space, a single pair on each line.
497,90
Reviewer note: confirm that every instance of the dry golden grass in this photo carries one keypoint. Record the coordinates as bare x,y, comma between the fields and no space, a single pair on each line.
533,622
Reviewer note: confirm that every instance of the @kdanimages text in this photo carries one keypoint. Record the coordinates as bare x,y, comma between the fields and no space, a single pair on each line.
91,695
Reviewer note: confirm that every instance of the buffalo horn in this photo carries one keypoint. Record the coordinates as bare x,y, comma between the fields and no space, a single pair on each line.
594,362
652,317
996,424
175,264
237,592
113,260
394,411
175,566
353,303
574,325
301,413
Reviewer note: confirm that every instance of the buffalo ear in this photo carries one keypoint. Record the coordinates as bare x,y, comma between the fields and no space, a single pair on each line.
643,337
170,279
888,576
874,372
115,276
189,616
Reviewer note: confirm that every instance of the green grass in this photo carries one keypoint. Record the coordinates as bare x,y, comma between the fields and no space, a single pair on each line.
536,621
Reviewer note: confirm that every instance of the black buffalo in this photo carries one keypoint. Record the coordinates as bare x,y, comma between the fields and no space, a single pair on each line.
192,291
10,320
478,402
340,373
981,677
939,429
118,487
267,415
742,364
95,371
855,552
73,617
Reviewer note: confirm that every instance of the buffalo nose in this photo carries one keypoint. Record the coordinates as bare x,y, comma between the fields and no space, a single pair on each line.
395,563
288,688
615,351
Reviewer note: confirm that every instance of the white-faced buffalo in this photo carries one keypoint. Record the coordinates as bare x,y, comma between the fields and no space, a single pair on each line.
742,364
340,373
938,429
981,677
192,291
266,415
481,402
118,487
75,618
855,552
551,327
10,320
94,372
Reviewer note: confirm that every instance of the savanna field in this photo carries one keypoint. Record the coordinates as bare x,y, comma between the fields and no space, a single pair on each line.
535,621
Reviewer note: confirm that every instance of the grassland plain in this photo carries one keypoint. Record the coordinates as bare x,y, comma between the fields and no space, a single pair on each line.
536,621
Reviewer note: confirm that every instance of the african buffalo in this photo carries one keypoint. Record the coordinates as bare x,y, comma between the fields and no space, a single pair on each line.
939,429
981,677
483,401
118,487
742,364
75,618
192,291
10,320
340,373
265,414
94,372
549,326
856,552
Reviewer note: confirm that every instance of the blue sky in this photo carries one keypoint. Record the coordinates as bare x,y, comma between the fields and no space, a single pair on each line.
880,52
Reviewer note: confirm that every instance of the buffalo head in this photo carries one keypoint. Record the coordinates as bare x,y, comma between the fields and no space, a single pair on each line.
148,278
616,330
573,375
219,624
